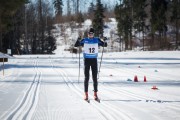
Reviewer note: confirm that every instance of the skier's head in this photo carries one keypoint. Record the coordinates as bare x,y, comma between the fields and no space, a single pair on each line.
91,30
91,33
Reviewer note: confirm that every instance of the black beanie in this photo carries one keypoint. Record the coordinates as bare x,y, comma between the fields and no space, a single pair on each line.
91,30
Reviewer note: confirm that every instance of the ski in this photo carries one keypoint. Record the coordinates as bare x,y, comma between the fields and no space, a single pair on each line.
87,100
97,100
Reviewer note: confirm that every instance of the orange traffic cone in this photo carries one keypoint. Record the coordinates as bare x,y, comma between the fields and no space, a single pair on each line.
135,78
154,88
145,79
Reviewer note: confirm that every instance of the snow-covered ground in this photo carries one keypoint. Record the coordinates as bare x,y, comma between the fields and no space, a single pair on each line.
2,55
45,87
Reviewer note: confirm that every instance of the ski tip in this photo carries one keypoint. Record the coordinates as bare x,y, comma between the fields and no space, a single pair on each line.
97,100
87,101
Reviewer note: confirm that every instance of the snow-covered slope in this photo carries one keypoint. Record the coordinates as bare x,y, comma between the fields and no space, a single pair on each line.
46,87
67,34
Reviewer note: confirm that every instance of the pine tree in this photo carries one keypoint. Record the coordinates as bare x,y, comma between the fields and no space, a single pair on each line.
58,5
123,13
50,44
118,13
91,10
7,11
98,22
80,18
139,15
158,20
118,10
175,19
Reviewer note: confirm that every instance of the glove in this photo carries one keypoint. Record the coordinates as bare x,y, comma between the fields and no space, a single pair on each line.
79,39
105,44
105,38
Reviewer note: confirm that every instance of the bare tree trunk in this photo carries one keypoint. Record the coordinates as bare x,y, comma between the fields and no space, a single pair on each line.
161,43
143,38
165,38
152,41
122,44
131,14
74,6
68,8
0,40
177,36
126,41
119,44
130,38
37,42
77,9
25,29
0,35
41,28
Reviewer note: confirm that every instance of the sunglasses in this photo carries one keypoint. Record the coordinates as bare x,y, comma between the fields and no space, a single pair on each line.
91,33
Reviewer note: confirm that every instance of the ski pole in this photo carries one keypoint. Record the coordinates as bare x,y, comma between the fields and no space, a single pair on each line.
100,62
79,66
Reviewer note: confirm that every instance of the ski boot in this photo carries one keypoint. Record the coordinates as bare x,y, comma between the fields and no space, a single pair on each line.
86,97
96,97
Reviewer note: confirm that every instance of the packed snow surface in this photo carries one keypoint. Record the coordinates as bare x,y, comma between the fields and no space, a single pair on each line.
46,87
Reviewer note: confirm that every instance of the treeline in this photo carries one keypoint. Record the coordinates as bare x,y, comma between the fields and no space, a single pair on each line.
158,22
25,27
153,23
75,16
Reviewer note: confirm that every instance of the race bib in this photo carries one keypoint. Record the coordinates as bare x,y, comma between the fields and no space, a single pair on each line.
91,48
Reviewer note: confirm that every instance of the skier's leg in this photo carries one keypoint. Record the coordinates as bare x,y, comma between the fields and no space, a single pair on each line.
94,74
86,74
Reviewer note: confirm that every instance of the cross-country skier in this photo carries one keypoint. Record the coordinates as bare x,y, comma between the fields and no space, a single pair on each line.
90,45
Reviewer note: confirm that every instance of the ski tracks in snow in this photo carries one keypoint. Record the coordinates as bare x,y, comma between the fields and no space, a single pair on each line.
29,101
141,98
108,111
141,73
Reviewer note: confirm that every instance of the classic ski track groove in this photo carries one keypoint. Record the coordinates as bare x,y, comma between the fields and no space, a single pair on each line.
104,114
34,103
103,106
140,96
24,108
131,96
13,107
69,88
69,85
143,98
15,72
151,76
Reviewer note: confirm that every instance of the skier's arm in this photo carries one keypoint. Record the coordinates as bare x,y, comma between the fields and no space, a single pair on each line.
102,42
79,42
